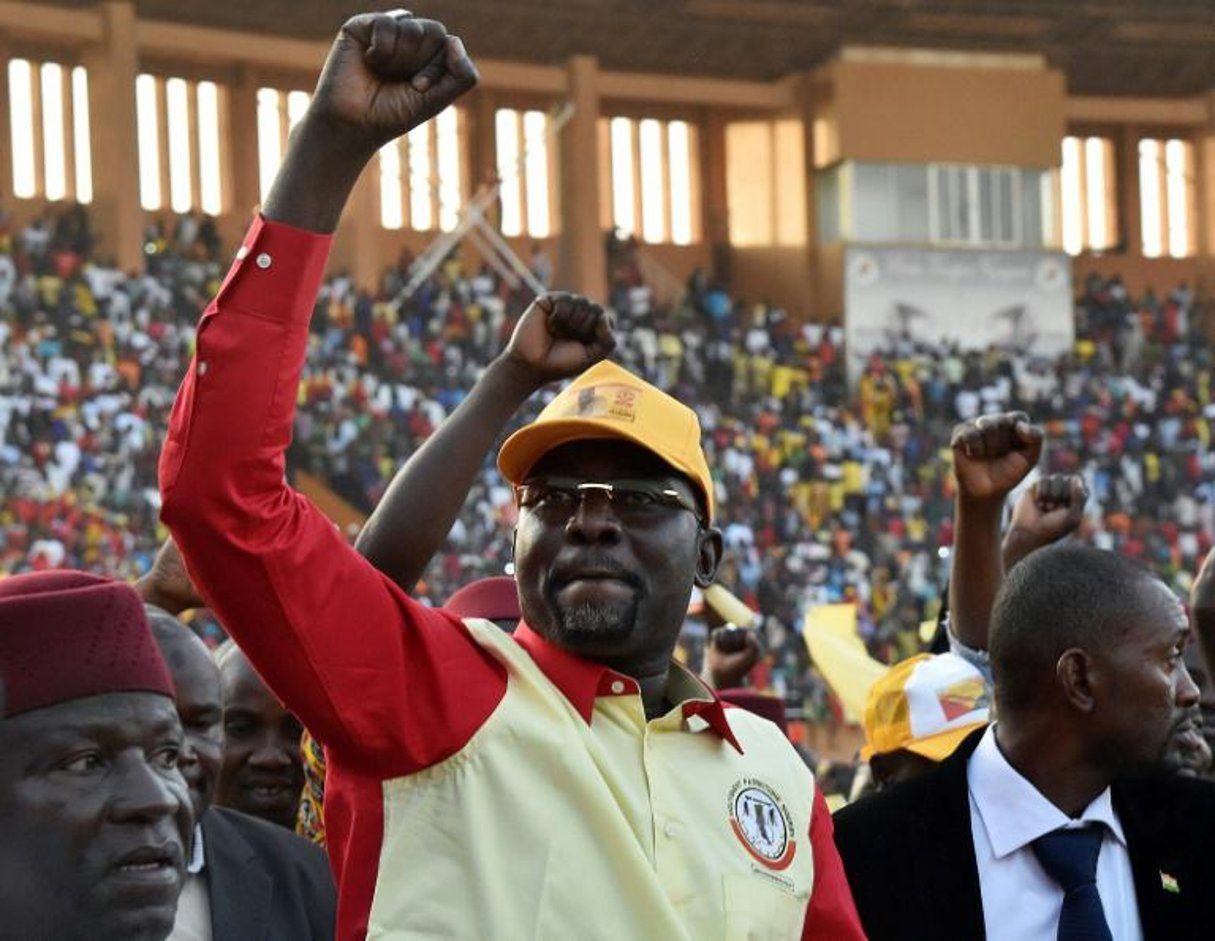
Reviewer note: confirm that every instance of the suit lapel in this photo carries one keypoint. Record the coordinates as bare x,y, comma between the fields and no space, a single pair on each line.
949,871
1160,909
239,887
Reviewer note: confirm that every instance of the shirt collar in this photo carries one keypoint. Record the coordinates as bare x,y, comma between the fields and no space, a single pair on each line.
1013,811
584,681
197,858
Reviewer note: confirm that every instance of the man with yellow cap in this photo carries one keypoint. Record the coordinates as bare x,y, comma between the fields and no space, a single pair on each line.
566,781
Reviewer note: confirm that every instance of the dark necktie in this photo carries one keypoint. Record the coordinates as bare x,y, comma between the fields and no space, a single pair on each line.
1070,858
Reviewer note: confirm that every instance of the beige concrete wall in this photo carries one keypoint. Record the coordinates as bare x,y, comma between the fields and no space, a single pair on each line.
915,113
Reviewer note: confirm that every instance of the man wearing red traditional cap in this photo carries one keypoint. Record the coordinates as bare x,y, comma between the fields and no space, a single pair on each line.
95,817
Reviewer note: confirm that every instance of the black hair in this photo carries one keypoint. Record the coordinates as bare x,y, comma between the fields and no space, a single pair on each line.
1056,599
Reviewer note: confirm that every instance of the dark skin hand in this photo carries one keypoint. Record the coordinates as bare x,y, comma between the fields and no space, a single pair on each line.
1050,510
386,73
167,584
992,454
729,656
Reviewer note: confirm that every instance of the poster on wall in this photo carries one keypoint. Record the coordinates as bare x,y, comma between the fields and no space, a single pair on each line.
1016,301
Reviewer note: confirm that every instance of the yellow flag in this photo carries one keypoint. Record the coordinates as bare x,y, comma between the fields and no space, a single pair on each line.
840,655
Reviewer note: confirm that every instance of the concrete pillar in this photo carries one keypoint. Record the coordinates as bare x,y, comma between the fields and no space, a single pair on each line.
1204,184
112,69
1126,168
583,265
6,139
481,136
239,171
359,232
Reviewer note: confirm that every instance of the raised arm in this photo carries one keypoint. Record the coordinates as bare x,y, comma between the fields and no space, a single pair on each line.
362,665
340,646
558,336
992,454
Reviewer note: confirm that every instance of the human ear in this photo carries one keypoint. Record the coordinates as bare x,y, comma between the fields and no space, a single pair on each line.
709,547
1077,678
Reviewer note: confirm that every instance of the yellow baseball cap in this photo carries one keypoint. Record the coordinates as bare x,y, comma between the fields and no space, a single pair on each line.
608,401
925,704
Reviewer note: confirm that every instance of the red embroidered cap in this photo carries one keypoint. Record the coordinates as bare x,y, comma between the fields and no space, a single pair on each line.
67,635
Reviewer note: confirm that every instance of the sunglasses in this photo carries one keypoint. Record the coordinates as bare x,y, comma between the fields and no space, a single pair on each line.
638,501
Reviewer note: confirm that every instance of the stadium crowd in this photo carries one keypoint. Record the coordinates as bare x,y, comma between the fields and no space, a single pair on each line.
826,494
558,774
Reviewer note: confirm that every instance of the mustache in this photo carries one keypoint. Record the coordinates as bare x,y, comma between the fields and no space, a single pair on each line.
599,564
1190,716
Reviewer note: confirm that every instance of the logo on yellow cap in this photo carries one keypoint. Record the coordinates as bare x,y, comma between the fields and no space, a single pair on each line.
611,400
962,697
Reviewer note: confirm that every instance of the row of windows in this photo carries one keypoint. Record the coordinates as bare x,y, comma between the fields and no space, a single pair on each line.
940,204
650,175
49,120
1166,196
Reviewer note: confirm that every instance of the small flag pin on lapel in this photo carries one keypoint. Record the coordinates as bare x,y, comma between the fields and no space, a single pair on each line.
1169,883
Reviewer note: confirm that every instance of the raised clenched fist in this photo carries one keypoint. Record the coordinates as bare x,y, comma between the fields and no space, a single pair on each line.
386,73
559,336
993,453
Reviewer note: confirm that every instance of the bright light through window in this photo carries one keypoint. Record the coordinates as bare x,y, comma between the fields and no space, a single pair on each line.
210,191
421,214
1149,191
506,124
53,155
149,142
297,104
80,135
623,194
178,107
1073,198
653,222
447,152
535,143
679,148
391,215
269,146
21,115
1177,197
1095,196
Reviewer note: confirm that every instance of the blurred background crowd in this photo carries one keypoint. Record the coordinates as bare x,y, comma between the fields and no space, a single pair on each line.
826,494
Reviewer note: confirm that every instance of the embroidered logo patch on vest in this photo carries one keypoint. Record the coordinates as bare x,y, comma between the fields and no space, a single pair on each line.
760,820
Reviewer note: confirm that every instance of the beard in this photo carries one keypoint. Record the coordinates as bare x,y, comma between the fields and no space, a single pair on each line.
595,627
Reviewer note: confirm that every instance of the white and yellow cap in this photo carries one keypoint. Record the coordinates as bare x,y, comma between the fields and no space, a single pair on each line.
925,704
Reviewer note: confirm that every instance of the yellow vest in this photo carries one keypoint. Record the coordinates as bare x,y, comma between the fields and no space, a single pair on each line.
547,826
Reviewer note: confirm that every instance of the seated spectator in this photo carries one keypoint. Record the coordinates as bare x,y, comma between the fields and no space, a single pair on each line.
95,818
262,773
919,713
247,878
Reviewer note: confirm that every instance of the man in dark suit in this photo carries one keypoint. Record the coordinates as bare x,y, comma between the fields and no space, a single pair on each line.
1055,820
248,880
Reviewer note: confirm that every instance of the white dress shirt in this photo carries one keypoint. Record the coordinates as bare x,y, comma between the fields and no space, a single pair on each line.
1007,813
193,922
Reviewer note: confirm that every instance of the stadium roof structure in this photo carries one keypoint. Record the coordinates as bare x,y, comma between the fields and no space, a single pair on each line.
1159,48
